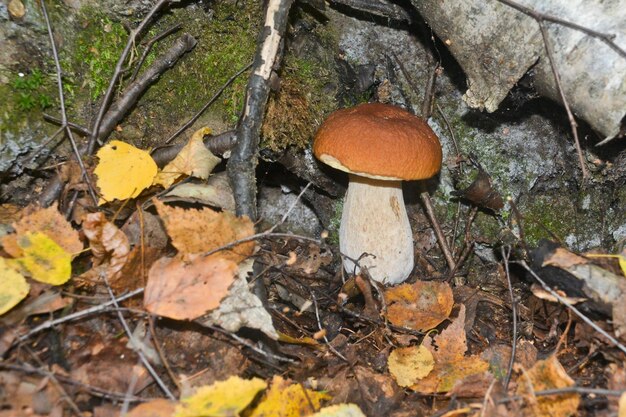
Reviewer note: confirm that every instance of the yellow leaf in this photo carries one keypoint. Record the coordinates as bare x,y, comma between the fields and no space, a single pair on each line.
43,259
194,160
289,400
621,258
123,171
340,410
13,287
222,399
410,364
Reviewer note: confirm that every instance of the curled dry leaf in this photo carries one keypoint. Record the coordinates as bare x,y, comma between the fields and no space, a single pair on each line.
194,160
48,221
419,306
451,364
198,231
186,290
109,245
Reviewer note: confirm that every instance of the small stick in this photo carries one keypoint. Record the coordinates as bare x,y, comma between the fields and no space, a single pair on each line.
505,257
149,46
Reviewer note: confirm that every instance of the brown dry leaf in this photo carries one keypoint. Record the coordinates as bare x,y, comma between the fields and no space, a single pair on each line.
109,245
154,408
419,306
134,274
194,159
9,213
451,364
564,259
547,374
198,231
48,221
185,291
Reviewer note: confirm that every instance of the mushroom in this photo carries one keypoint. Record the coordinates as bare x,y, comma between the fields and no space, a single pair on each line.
379,146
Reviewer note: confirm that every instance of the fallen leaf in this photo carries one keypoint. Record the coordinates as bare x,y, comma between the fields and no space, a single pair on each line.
48,221
198,231
547,374
194,160
13,287
43,260
419,306
221,399
241,308
123,171
451,364
409,364
108,244
564,259
285,399
216,192
340,410
186,290
16,9
621,258
153,408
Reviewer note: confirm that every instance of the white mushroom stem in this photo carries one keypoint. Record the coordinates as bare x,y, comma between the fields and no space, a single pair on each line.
374,222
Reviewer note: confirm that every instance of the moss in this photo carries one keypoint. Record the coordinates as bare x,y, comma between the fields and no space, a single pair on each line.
335,222
96,51
548,217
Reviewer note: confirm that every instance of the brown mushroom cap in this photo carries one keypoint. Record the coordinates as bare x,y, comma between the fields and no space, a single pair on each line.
379,141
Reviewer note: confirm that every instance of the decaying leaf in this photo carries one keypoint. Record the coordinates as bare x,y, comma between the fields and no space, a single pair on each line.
123,171
13,287
198,231
547,374
451,364
48,221
221,399
186,290
109,245
241,308
409,364
340,410
194,160
419,306
286,399
43,260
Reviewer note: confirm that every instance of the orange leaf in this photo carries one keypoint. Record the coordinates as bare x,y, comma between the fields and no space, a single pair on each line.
48,221
185,291
419,306
451,364
198,231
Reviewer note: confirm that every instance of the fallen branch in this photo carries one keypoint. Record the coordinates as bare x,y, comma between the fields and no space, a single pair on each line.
244,157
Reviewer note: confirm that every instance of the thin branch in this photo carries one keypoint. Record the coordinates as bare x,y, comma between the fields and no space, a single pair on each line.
208,104
566,303
108,96
244,158
505,258
149,46
538,16
64,124
135,345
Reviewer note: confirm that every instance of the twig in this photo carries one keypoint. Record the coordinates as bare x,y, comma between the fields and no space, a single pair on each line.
541,18
149,46
135,344
80,129
78,315
319,325
159,350
538,16
118,70
244,157
208,104
218,144
64,124
380,8
505,258
134,90
566,303
96,391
